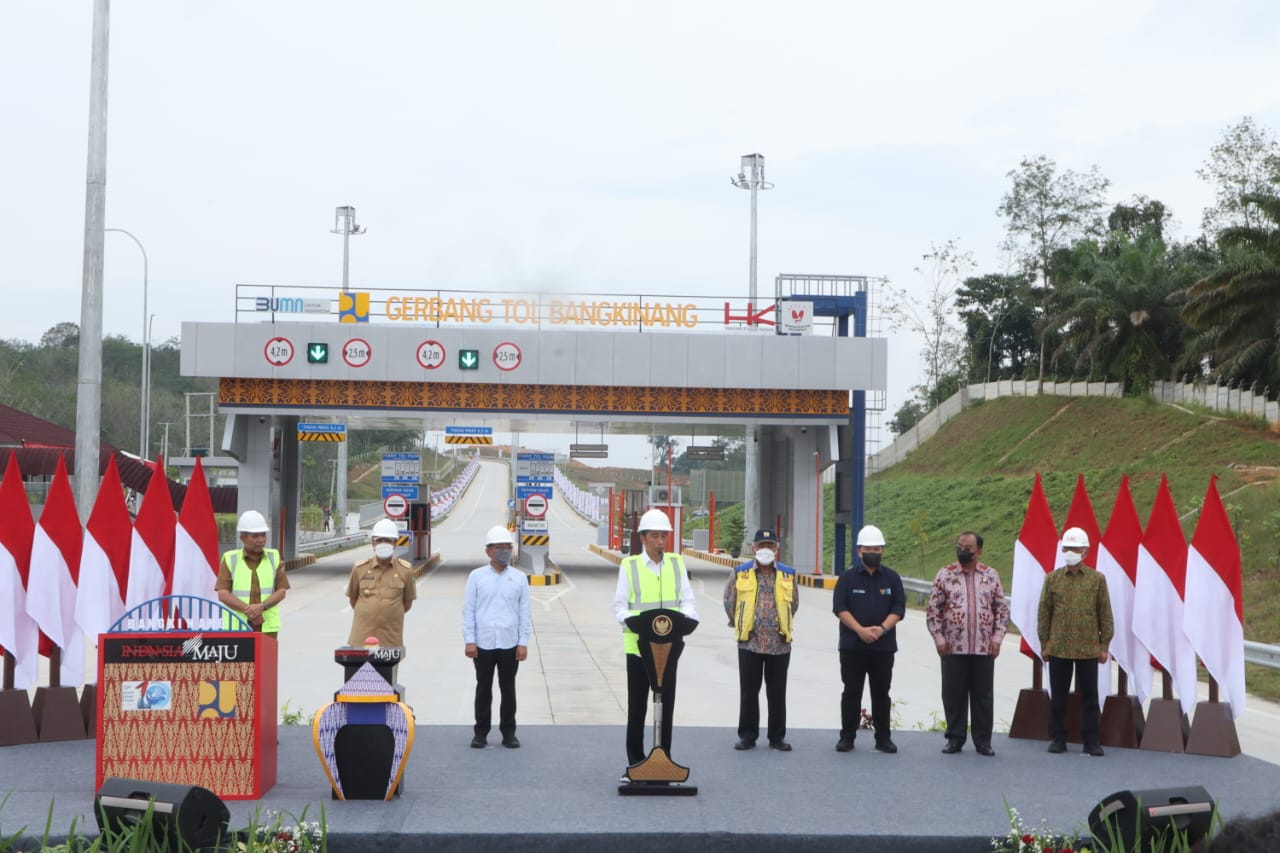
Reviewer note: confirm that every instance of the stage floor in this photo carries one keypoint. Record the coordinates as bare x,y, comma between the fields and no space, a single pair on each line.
559,792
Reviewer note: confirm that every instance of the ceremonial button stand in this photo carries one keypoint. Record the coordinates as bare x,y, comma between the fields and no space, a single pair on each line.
182,700
364,736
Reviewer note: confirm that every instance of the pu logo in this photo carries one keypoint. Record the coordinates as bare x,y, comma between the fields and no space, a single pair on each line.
353,307
797,316
217,700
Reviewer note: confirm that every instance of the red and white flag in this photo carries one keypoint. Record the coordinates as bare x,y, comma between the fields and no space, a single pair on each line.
55,569
1081,515
151,552
1118,561
18,632
1214,584
1033,557
104,560
195,556
1158,596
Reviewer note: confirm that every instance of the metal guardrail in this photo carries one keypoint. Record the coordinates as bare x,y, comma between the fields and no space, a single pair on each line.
1255,653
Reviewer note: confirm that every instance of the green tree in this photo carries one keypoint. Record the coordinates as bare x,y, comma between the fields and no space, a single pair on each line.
1246,161
907,416
999,325
933,318
1235,311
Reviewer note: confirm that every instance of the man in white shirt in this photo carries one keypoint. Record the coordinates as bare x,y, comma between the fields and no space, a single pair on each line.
496,624
650,580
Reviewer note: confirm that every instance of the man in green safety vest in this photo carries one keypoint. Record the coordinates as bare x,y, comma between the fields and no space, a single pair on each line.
251,579
654,578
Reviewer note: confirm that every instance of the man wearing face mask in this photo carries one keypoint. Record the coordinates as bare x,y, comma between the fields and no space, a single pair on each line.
760,599
495,628
381,590
967,618
869,601
1075,628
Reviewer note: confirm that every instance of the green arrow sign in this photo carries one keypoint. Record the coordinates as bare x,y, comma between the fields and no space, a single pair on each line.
469,359
317,353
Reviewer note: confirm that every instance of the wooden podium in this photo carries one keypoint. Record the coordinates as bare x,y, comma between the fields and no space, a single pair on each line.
661,634
190,708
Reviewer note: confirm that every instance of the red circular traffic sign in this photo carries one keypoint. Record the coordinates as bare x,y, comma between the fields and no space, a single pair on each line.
431,354
506,356
395,506
357,352
279,351
535,506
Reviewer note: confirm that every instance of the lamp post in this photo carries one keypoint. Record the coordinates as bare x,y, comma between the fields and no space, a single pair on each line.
344,223
751,177
144,419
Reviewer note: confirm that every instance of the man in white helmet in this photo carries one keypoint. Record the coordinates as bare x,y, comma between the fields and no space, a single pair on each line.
496,624
381,590
251,579
1075,627
869,601
655,578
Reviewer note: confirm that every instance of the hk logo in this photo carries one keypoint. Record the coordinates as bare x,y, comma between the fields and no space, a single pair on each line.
752,317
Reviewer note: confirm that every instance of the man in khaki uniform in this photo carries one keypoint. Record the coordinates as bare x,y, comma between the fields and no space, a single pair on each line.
381,591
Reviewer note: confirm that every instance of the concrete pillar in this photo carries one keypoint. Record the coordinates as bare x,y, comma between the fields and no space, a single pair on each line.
806,499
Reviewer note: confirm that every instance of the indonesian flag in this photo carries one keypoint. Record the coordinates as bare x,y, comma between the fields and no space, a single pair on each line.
1158,596
151,552
104,560
1033,557
1213,583
18,632
1118,561
195,556
55,569
1081,515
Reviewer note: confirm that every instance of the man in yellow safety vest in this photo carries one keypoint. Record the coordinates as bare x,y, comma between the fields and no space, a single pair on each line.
251,579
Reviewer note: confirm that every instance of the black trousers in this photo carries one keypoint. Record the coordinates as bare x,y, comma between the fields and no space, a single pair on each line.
967,685
772,670
1086,672
504,661
638,698
857,667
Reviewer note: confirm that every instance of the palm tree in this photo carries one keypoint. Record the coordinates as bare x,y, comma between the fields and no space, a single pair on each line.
1113,312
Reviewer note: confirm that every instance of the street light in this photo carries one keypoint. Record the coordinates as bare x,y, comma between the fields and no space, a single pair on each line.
144,416
753,165
344,223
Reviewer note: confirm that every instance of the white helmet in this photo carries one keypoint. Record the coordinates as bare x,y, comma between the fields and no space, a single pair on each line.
1074,537
498,535
385,529
655,520
251,521
870,537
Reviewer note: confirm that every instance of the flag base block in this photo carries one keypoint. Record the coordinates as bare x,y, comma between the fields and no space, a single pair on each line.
57,714
1031,715
1122,722
1166,729
17,724
1214,731
89,708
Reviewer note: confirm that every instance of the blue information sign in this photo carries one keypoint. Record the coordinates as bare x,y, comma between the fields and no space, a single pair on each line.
334,428
463,430
523,492
409,493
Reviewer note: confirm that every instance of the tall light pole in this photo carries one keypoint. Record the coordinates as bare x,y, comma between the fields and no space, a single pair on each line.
144,419
751,177
344,223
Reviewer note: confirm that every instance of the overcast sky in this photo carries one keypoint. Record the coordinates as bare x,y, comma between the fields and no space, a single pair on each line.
586,146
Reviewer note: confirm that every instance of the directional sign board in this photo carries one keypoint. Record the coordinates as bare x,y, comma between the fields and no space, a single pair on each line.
409,493
395,506
402,468
535,468
535,506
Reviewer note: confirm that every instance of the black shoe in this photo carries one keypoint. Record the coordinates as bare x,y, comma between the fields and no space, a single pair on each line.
845,744
743,743
780,745
1094,750
886,746
478,742
511,742
985,749
952,747
1058,746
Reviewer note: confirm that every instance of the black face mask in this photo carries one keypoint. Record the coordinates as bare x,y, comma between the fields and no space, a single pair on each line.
965,557
871,561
